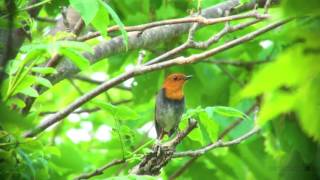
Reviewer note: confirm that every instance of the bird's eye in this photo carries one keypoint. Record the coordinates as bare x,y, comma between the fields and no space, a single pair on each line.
175,78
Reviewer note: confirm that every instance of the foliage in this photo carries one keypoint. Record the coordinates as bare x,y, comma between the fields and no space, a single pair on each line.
109,127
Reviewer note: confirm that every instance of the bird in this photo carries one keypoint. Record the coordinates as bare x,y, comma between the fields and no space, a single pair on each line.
170,105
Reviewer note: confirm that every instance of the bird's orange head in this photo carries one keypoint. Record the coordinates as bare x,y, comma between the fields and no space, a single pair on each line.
173,86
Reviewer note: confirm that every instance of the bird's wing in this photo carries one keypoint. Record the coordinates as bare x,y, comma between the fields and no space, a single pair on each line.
179,109
159,104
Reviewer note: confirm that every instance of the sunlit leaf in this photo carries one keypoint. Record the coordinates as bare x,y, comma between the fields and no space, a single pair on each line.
43,81
78,59
44,70
116,18
29,91
86,8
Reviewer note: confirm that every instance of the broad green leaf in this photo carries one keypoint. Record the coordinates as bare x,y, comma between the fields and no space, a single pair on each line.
12,67
25,83
36,47
70,157
33,55
74,45
275,104
308,108
116,18
43,81
272,75
105,106
211,127
27,161
195,134
16,101
298,7
29,91
125,113
101,20
78,59
44,70
226,111
119,112
86,8
52,150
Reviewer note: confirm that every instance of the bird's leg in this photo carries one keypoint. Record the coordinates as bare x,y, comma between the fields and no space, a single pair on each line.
157,147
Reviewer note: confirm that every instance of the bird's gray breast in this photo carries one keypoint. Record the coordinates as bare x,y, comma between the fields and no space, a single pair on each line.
168,112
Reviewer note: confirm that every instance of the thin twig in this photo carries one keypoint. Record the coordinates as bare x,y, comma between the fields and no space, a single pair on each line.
100,170
141,56
245,64
266,6
46,19
219,143
235,123
87,110
75,86
201,45
231,76
48,121
93,81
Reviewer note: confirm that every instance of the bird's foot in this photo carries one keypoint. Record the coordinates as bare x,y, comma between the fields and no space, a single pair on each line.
157,147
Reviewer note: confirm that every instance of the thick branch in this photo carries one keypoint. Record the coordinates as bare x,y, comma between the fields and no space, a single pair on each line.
144,69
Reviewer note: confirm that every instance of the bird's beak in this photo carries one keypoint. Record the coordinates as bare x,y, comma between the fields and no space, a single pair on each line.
188,77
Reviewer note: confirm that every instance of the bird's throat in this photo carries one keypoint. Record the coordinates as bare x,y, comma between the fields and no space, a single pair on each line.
174,94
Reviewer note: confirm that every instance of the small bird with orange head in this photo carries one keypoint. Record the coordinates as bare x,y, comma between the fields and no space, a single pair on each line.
170,105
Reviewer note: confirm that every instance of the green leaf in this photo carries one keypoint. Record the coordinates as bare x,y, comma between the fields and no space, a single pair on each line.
27,161
44,70
80,61
16,101
101,20
308,108
12,67
226,111
86,8
26,82
275,104
210,125
43,81
74,45
126,113
119,112
298,7
116,18
29,91
70,157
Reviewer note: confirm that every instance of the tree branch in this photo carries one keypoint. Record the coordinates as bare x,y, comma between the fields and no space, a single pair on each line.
144,69
100,170
149,37
219,143
196,19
